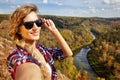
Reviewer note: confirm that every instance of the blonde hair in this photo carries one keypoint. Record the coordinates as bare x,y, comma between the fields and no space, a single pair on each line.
16,21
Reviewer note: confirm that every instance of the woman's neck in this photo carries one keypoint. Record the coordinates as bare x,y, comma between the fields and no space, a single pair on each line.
31,43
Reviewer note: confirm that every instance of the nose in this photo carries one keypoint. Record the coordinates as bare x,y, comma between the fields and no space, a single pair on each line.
35,26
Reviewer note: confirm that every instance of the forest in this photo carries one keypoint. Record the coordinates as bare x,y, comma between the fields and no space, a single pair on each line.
104,56
105,49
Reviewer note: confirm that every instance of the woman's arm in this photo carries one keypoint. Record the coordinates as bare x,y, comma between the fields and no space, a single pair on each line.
62,43
28,71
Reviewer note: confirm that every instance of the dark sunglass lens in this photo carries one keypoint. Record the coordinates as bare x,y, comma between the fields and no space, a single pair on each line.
38,22
28,25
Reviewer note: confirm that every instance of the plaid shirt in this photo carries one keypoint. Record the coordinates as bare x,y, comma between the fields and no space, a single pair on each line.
20,56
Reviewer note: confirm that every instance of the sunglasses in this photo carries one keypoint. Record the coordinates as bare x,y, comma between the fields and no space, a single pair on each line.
30,24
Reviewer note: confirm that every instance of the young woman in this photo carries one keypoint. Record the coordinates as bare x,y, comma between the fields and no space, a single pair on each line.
31,61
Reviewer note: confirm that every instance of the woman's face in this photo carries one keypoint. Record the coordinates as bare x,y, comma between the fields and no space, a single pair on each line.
31,34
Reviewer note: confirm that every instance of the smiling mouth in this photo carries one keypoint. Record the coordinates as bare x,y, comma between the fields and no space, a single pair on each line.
35,33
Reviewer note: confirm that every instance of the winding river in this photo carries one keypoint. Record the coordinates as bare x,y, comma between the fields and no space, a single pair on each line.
81,62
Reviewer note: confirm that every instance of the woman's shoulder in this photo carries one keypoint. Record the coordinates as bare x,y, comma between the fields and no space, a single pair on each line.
13,52
16,52
19,56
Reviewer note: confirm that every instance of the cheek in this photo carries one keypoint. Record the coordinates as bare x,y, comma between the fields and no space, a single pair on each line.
24,33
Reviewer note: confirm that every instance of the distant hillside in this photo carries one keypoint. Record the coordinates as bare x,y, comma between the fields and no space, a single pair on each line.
4,17
67,22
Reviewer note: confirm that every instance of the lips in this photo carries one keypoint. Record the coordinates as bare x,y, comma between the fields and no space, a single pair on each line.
35,33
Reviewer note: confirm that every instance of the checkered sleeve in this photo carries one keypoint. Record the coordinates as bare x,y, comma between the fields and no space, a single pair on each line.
56,53
16,58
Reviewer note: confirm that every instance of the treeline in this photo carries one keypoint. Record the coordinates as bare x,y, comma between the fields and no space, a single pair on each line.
4,17
105,54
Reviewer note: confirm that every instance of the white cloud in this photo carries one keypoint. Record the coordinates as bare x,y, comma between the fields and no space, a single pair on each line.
18,5
103,9
111,1
117,9
106,1
12,6
93,10
115,1
9,0
45,1
59,3
87,2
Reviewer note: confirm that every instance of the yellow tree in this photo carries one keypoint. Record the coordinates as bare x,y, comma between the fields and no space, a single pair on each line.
110,62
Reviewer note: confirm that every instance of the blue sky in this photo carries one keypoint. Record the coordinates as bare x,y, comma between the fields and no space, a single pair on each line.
79,8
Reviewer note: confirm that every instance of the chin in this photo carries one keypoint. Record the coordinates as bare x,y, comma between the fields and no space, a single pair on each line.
36,38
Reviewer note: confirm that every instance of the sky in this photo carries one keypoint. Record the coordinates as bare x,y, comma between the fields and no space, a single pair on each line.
75,8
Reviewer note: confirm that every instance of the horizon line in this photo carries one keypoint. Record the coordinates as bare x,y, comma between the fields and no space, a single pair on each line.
68,16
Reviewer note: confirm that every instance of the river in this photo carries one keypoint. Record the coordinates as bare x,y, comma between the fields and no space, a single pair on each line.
81,62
